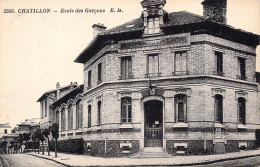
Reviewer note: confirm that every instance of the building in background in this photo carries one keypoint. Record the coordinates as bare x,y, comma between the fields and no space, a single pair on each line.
28,126
175,82
48,98
5,129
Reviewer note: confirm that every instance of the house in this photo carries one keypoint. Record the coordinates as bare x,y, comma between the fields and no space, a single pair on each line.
48,98
5,129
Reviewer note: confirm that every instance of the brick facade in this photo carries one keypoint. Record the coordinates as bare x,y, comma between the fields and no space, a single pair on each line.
199,131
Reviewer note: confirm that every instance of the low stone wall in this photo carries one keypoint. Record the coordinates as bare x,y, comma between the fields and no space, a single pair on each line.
110,148
233,145
194,147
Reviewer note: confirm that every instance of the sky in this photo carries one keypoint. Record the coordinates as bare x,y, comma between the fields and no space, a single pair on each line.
38,50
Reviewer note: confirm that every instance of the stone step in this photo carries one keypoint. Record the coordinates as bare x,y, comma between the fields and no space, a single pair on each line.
152,153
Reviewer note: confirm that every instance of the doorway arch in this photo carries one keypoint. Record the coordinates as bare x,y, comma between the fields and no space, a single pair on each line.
153,123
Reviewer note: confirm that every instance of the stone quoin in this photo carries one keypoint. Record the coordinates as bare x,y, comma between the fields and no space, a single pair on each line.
176,81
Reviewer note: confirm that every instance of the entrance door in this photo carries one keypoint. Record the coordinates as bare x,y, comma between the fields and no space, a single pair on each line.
153,130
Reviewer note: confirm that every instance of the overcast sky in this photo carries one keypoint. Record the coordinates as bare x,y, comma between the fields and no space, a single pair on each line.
38,50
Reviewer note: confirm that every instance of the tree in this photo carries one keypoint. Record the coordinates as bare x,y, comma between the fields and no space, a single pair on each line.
37,135
26,137
55,134
46,133
34,138
21,141
12,145
4,144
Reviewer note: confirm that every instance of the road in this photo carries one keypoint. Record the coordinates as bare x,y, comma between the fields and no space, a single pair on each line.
23,160
247,162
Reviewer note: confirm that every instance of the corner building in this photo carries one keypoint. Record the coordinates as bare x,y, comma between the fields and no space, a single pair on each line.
176,81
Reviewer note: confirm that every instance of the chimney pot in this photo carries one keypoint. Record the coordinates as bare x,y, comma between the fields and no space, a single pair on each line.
57,85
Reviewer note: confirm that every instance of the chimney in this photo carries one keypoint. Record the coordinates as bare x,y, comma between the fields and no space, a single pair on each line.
215,10
98,28
153,16
57,85
58,90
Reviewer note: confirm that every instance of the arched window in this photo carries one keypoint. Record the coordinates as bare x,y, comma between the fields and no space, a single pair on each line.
63,120
57,119
99,113
70,117
181,108
126,110
79,114
242,110
89,116
219,109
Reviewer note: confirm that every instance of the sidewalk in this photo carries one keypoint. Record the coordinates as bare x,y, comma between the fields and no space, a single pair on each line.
84,160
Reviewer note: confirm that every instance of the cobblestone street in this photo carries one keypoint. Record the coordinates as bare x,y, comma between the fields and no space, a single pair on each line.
23,160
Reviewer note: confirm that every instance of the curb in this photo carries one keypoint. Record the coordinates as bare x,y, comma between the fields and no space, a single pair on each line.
189,164
51,160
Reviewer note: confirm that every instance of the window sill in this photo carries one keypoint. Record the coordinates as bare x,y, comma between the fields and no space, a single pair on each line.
219,125
89,129
180,125
126,126
78,130
99,128
99,82
241,126
125,152
126,77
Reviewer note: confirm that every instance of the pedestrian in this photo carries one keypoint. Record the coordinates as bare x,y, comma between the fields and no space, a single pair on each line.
23,146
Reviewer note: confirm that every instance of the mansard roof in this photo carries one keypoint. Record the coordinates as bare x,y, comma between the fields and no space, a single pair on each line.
175,18
178,22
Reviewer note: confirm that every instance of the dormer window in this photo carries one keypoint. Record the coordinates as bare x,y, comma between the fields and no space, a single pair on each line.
153,15
153,25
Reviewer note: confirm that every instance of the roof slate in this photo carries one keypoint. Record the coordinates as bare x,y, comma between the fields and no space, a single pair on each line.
175,18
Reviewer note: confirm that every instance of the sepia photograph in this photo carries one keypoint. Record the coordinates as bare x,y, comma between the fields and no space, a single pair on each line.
129,83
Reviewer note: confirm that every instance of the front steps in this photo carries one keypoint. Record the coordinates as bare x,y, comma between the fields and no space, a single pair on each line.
150,152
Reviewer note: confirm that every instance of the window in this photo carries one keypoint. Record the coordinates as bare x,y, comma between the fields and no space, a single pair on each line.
42,109
241,68
70,117
126,110
242,110
89,79
153,65
181,108
5,131
63,120
46,105
219,63
99,73
153,25
89,116
218,109
79,114
126,68
180,63
57,119
99,113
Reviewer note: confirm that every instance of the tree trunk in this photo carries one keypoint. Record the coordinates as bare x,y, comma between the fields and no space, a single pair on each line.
39,147
48,147
42,148
55,147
